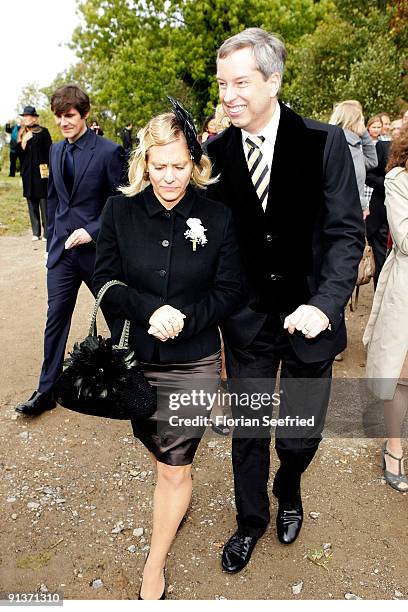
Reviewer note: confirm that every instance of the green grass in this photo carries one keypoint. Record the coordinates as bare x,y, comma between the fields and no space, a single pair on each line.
14,219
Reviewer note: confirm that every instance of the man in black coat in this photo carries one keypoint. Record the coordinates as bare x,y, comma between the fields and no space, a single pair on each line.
85,169
291,185
34,150
376,222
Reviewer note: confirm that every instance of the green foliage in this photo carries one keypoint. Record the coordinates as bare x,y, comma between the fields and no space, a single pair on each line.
135,52
359,58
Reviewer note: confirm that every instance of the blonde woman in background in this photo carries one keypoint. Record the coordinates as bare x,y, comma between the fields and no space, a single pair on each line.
349,116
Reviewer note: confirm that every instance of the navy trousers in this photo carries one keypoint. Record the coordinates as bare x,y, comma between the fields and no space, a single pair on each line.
63,283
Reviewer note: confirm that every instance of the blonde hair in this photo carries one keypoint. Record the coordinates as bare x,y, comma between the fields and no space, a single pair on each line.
222,121
349,116
161,130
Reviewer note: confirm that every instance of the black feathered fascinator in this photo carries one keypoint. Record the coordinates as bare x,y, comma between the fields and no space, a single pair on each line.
187,125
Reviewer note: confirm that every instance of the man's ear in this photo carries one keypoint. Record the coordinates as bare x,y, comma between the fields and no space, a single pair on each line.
275,83
87,114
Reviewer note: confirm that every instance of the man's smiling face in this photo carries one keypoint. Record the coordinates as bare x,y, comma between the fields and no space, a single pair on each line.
247,98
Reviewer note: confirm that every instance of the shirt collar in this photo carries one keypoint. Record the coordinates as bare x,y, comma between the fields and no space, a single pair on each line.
183,208
270,130
81,142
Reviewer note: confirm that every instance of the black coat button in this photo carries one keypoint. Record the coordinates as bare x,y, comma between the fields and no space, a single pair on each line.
162,272
269,237
165,243
275,277
167,215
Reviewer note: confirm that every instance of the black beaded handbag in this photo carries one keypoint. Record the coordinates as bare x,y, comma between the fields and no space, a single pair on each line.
105,380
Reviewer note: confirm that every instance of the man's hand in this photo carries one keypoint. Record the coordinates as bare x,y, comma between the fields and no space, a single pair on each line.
166,322
366,212
79,236
307,319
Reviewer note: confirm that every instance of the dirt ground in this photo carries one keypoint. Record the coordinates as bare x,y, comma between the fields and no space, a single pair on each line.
76,491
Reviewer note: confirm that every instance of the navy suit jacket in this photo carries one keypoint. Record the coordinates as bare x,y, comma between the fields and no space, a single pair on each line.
98,172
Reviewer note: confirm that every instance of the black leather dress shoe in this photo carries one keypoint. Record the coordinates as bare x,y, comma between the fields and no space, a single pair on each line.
289,520
38,403
237,552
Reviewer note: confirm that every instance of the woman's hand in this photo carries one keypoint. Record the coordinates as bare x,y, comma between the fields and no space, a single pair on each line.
166,322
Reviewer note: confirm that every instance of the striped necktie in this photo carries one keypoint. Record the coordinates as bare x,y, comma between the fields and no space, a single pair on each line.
258,168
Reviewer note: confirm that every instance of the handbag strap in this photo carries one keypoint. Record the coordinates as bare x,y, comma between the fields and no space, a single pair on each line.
124,338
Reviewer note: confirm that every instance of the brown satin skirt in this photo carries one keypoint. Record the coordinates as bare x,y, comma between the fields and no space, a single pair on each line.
169,444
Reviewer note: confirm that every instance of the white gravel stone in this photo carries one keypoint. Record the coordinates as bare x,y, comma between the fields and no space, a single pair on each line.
33,505
297,588
138,532
314,515
398,593
351,596
97,584
132,548
10,500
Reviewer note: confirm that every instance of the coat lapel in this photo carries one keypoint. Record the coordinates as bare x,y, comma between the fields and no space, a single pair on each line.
82,160
57,172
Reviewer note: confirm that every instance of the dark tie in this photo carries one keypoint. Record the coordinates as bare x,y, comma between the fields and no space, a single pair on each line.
258,168
69,167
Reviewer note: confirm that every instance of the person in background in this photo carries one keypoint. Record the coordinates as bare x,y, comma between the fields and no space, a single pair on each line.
386,334
395,128
127,140
209,129
85,169
386,126
14,131
95,127
349,116
376,224
34,148
374,127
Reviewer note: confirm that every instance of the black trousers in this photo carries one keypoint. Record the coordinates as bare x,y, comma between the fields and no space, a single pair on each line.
378,242
35,207
304,393
13,162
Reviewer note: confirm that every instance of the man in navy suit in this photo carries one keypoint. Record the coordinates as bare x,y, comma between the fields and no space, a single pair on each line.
85,169
291,186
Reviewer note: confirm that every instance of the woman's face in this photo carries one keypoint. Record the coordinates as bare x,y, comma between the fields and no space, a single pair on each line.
375,129
169,168
212,127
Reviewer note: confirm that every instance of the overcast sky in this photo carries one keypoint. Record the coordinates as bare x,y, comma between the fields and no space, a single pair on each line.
33,39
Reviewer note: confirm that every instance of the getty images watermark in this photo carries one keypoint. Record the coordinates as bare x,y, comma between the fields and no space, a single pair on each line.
222,399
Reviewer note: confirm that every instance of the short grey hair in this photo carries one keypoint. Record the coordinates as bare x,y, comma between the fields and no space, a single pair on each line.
268,49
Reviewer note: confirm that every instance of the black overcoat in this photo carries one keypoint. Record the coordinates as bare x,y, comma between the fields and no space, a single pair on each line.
144,245
305,248
36,152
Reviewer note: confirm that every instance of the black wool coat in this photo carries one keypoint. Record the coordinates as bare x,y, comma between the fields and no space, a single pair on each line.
375,179
305,248
144,245
36,152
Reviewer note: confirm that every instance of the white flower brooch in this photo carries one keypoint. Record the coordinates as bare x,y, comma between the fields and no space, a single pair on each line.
196,233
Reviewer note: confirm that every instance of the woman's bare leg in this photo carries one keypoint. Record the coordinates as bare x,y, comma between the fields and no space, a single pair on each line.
170,502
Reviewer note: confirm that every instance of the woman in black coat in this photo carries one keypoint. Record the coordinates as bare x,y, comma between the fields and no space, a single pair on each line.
34,146
176,251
